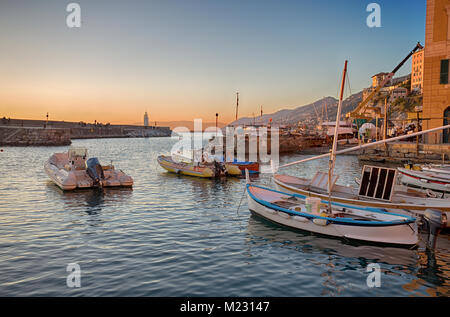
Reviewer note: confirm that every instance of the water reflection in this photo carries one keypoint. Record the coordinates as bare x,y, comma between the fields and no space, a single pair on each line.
262,231
433,269
203,188
90,200
430,267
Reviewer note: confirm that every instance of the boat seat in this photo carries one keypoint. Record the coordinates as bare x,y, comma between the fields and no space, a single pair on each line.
78,163
320,181
285,204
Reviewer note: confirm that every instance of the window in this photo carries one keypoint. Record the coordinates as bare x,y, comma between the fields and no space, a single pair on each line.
444,71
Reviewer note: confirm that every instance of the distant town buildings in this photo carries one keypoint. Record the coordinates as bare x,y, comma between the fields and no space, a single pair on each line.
146,119
436,87
378,79
399,92
417,71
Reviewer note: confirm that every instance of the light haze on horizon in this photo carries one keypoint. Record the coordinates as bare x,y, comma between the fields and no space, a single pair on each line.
180,60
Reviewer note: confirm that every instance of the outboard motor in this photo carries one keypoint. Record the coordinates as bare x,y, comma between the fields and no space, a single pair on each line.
95,170
435,221
219,168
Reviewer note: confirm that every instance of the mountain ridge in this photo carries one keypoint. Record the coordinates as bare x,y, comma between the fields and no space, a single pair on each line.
312,111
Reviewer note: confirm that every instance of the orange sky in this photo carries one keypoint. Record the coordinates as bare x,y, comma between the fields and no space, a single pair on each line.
182,60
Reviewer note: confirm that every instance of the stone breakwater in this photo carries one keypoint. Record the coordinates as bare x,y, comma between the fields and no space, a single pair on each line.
39,136
119,132
20,136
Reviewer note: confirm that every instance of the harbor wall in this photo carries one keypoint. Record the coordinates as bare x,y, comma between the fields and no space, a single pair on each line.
19,136
118,132
38,132
408,151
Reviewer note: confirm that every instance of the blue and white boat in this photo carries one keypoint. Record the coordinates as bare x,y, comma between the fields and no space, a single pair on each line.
343,221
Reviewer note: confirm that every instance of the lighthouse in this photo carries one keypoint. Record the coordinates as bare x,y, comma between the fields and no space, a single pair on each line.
146,119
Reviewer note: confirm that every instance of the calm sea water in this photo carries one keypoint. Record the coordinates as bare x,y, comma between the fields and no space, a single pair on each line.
181,236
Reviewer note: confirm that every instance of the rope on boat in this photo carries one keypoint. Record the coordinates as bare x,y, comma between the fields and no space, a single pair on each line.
240,202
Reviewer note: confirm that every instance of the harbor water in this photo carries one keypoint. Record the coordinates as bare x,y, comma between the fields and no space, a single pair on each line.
182,236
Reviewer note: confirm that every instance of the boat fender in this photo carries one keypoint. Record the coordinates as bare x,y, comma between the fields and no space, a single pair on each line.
320,222
284,215
270,211
300,219
423,180
431,193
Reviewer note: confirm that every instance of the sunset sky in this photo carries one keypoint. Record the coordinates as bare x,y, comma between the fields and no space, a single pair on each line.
186,59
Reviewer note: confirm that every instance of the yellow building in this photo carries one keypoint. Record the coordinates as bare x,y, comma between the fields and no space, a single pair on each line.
378,79
417,71
436,86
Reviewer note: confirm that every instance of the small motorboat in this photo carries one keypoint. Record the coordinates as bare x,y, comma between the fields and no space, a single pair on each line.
72,169
344,221
206,170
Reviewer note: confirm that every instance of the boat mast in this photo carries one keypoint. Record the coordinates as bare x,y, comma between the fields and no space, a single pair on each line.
237,104
336,135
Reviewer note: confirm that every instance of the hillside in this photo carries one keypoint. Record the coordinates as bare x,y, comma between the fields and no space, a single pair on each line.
310,111
188,124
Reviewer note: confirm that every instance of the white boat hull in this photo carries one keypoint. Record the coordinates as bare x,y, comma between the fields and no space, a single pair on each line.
70,179
402,234
425,180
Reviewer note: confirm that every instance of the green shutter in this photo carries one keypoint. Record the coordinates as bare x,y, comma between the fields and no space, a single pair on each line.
444,71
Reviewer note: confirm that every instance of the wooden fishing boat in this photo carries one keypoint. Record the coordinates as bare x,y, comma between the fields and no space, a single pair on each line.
345,221
437,168
252,167
72,170
427,179
197,170
396,197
